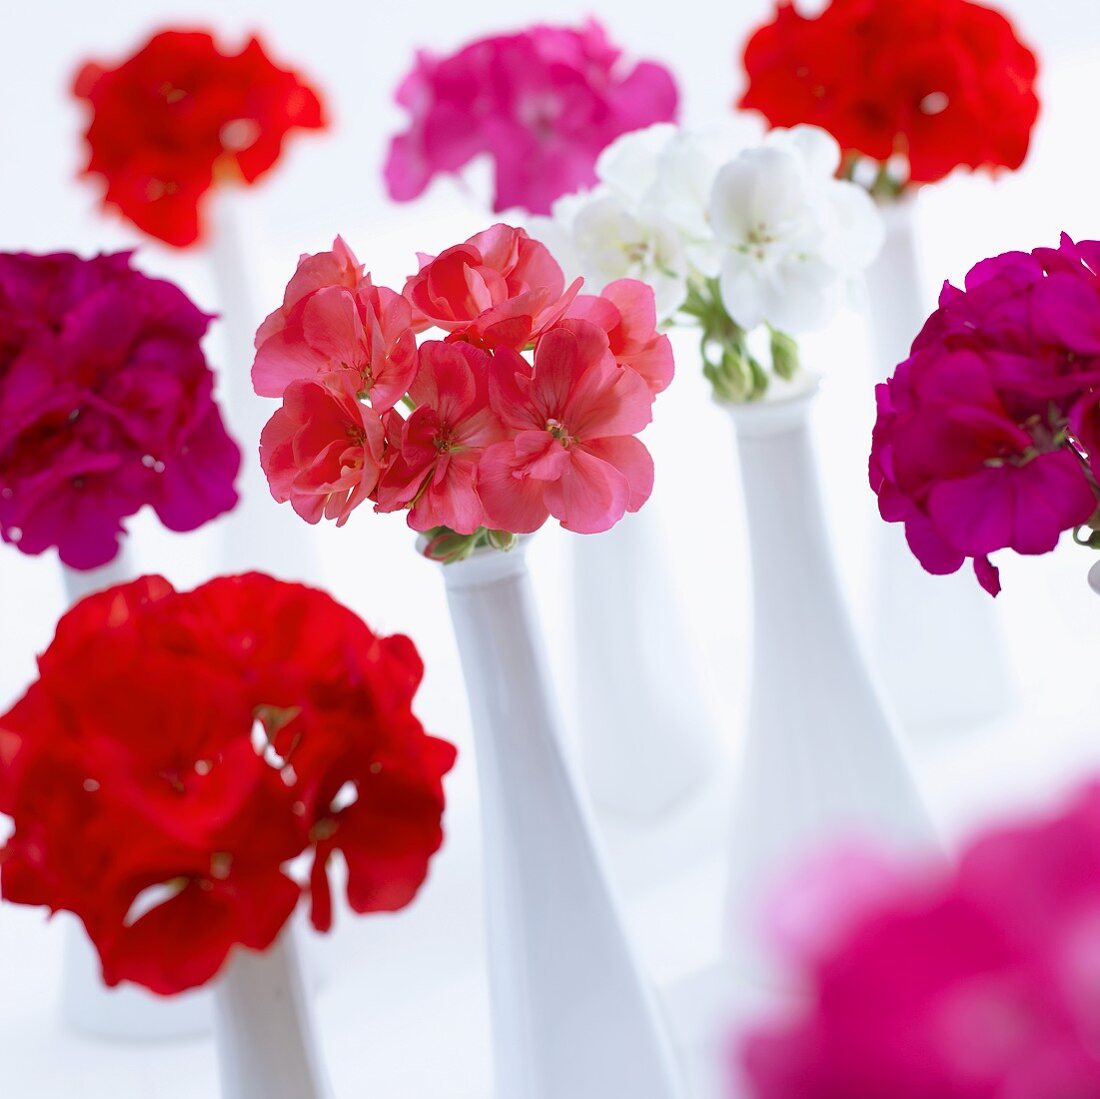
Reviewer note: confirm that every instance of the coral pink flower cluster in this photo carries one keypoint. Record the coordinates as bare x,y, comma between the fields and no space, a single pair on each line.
526,408
978,983
543,103
988,435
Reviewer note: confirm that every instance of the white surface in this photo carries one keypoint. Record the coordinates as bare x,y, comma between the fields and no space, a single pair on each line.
403,1011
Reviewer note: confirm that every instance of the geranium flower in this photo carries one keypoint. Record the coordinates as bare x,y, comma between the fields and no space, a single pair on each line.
106,405
498,289
541,103
789,236
975,983
335,320
627,311
178,116
436,452
974,449
284,726
732,229
943,84
574,416
490,446
322,450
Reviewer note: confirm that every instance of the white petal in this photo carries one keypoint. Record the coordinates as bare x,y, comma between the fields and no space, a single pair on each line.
858,229
759,196
629,163
741,286
817,149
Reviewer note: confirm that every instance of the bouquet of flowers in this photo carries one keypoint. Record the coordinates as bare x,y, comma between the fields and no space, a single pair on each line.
975,982
988,435
180,116
526,408
911,91
541,103
738,235
106,405
180,751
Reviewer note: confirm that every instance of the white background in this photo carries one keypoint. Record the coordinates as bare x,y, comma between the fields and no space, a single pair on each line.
402,1009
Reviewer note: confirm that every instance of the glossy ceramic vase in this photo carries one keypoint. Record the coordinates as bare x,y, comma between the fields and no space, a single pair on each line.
936,640
572,1016
266,1044
822,761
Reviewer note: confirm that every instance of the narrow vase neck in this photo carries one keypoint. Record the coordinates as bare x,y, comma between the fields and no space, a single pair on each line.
895,290
266,1044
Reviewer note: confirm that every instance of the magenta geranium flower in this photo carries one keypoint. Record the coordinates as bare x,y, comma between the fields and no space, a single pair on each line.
106,405
543,104
978,983
985,434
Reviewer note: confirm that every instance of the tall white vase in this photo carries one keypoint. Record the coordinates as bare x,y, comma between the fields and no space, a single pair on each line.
258,533
267,1048
937,640
87,1004
572,1016
822,761
646,738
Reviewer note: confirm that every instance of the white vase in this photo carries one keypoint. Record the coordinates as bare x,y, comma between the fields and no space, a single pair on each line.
822,762
645,736
257,533
267,1048
126,1011
937,640
572,1016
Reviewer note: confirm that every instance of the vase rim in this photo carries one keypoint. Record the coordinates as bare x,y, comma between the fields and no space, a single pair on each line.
484,566
772,415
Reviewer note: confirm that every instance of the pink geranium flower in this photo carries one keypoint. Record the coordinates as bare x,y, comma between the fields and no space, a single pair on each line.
106,405
975,983
499,289
573,454
543,104
323,449
436,452
627,311
333,318
983,433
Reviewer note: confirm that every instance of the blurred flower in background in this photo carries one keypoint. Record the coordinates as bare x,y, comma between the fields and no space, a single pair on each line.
982,982
919,88
180,116
106,405
541,103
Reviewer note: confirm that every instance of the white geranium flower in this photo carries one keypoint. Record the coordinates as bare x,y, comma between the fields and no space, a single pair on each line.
599,236
791,235
628,166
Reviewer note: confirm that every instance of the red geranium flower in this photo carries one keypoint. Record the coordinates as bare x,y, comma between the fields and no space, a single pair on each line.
943,83
179,114
282,725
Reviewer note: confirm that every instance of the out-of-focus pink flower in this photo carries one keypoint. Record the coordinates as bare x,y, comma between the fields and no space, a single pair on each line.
333,318
973,449
106,405
573,454
498,289
977,983
436,451
322,449
627,311
543,103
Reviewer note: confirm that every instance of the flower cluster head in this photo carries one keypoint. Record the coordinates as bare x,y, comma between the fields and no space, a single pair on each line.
178,750
734,231
179,116
988,435
525,406
542,104
911,90
106,405
978,983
